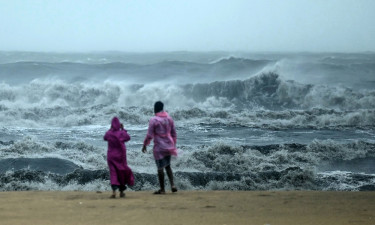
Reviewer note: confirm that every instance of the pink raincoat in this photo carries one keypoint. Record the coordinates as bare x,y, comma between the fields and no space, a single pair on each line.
120,173
161,129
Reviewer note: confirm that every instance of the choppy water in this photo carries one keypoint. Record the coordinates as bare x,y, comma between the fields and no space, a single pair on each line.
244,121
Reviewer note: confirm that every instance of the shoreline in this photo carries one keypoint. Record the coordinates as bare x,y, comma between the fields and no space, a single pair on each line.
188,207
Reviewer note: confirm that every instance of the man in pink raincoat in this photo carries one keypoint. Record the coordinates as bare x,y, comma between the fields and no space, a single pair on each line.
161,128
120,174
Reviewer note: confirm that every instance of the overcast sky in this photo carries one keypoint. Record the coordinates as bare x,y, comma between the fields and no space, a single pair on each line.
187,25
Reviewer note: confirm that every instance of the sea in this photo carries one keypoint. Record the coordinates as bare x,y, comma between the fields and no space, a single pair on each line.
245,121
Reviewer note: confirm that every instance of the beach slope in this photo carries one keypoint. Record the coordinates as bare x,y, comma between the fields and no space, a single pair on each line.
188,207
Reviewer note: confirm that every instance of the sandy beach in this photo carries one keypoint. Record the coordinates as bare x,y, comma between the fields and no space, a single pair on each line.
188,207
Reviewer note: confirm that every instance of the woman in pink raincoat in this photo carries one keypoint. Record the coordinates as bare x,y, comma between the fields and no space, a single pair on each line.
161,128
120,174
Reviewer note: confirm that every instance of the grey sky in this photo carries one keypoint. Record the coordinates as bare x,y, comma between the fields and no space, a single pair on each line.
192,25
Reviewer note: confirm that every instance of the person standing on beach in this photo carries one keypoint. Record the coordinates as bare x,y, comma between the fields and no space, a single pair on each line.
119,171
161,128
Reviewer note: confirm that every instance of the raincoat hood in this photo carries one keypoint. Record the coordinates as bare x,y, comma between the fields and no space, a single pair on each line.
115,124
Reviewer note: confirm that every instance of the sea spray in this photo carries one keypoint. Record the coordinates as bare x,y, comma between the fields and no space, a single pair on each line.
244,121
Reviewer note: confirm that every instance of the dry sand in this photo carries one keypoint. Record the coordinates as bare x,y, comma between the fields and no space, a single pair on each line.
189,207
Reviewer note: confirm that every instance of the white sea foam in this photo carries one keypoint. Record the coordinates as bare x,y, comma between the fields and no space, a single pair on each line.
259,122
57,102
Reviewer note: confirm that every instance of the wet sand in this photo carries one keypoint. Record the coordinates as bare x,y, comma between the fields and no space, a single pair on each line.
189,207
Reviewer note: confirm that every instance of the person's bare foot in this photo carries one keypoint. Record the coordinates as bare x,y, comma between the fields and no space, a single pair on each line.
122,195
112,196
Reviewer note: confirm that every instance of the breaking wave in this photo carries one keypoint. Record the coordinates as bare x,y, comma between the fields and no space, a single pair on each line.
221,166
265,100
245,122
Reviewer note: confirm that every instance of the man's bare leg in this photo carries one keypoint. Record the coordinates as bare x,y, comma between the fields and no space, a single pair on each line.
170,176
161,182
